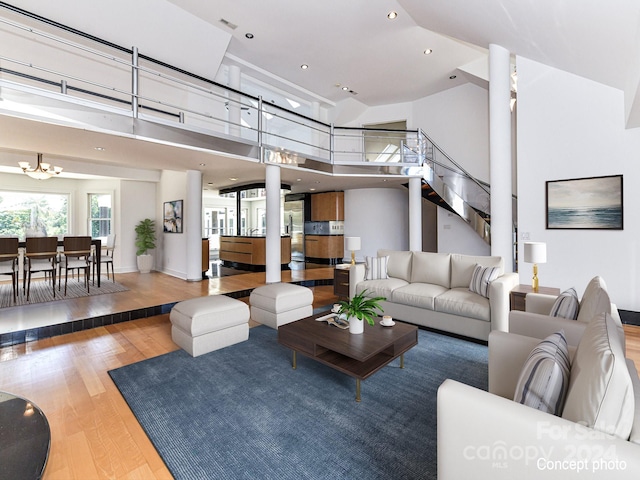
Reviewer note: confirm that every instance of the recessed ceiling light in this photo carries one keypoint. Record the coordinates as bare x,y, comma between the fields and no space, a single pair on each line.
345,88
298,179
233,179
428,51
452,77
304,66
249,35
100,149
312,189
392,15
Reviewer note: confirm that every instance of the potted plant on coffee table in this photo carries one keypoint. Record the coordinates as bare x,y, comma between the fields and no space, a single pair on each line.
360,308
145,241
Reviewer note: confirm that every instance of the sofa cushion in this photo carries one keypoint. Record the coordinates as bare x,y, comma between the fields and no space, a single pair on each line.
462,267
595,300
380,288
399,265
600,390
420,295
462,302
427,267
375,268
482,278
544,378
566,305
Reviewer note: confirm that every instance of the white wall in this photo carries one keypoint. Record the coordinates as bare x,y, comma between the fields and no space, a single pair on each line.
138,200
379,216
172,247
570,127
455,236
458,121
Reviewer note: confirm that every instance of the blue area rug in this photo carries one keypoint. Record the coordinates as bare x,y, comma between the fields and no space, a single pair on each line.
242,412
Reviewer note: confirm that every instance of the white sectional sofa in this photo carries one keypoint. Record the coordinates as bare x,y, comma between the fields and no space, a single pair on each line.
595,435
433,290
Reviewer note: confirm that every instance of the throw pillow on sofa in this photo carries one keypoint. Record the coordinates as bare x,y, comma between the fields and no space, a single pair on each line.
482,278
566,305
544,379
600,389
376,268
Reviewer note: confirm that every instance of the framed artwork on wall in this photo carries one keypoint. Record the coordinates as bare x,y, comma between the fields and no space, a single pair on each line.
172,217
585,203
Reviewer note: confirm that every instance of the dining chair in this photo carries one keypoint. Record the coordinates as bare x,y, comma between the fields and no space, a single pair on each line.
105,257
9,254
40,256
75,256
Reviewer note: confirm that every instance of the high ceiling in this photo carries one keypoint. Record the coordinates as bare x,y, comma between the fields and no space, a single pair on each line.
381,61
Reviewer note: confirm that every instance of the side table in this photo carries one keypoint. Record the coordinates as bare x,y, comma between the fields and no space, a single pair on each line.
341,280
517,297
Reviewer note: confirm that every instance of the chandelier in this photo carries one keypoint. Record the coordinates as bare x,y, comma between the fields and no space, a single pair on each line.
42,171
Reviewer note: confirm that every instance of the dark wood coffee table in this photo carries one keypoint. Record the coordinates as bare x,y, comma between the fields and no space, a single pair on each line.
358,356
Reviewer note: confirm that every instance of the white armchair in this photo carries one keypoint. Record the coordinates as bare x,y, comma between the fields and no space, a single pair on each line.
536,322
487,435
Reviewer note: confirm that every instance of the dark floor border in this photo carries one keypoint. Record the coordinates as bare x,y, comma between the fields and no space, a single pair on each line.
629,317
40,333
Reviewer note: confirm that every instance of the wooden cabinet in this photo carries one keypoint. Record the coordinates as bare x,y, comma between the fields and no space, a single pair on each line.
518,295
251,250
324,246
341,281
327,206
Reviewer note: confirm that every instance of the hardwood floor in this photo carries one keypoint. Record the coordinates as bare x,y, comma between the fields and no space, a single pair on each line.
94,434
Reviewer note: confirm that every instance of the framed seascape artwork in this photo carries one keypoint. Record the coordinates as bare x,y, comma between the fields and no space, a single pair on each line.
172,217
585,203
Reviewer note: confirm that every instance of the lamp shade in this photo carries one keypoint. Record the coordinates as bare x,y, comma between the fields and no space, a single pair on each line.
535,252
352,243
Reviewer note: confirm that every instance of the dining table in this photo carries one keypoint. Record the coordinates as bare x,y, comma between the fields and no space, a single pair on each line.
96,243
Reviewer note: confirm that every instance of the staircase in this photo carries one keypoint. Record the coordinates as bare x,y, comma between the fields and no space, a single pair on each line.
448,185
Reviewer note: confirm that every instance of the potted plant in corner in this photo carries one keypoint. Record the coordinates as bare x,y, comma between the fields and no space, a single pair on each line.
145,241
360,308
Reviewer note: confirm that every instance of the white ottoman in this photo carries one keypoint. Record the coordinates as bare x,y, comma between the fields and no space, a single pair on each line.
280,303
204,324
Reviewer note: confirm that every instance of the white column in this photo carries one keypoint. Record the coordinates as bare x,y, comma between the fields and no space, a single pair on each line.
500,154
192,225
235,109
272,185
415,214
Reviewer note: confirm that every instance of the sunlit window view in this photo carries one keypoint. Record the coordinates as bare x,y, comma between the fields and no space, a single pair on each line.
30,214
99,215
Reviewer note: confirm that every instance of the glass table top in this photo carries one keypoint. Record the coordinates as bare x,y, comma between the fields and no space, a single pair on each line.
25,438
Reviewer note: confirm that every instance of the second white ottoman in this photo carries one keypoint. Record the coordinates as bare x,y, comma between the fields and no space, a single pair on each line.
280,303
204,324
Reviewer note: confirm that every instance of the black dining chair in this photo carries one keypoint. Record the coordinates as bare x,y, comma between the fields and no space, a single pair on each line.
40,256
75,256
9,254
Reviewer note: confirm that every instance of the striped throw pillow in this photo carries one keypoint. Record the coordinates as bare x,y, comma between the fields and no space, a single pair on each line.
376,268
544,379
481,278
566,305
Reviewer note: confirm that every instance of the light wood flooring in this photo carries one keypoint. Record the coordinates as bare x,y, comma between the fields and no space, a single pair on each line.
94,434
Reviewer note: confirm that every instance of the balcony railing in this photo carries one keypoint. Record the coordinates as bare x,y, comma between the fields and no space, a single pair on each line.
68,65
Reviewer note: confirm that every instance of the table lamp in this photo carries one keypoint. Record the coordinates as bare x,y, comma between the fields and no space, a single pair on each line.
535,252
353,244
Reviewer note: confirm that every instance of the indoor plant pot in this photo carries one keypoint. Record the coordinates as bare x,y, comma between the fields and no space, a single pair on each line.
360,308
145,241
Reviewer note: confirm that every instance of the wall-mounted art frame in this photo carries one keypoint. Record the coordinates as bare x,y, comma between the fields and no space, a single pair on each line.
585,203
172,217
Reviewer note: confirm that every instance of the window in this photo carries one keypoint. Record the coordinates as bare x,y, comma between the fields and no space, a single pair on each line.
99,214
28,214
